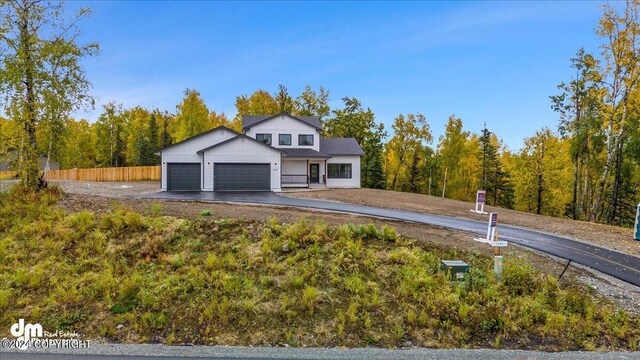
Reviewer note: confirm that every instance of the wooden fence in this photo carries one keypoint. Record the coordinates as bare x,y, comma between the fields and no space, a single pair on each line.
4,175
133,173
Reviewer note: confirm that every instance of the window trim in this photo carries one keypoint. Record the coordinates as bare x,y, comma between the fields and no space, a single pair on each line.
312,139
262,141
340,165
280,140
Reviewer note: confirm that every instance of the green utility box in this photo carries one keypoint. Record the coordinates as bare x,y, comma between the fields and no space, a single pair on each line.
455,269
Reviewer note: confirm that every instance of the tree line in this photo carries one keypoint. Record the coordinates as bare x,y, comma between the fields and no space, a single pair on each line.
587,168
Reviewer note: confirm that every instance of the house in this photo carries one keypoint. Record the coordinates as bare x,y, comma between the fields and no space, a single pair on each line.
273,152
9,161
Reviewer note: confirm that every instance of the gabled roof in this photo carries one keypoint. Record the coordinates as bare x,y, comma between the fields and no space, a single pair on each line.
221,127
251,120
237,137
304,153
340,146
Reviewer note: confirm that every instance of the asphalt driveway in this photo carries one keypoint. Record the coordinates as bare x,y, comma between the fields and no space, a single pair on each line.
622,266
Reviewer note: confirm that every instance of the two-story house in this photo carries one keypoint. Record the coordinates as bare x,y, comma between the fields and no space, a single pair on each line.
273,152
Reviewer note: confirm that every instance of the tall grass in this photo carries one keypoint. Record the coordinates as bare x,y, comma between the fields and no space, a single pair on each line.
307,283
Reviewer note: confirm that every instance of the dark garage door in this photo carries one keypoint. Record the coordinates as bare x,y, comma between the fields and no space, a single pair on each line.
233,177
183,177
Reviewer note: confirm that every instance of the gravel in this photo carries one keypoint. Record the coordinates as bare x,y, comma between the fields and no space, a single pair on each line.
109,189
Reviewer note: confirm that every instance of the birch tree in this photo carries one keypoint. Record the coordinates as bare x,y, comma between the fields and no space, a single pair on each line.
41,78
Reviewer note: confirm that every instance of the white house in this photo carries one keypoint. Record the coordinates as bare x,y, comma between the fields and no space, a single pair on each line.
274,152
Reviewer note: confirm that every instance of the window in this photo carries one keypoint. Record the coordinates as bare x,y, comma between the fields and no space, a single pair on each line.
284,139
339,171
264,138
305,140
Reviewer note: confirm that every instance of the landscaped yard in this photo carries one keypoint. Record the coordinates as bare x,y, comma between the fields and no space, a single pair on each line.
208,280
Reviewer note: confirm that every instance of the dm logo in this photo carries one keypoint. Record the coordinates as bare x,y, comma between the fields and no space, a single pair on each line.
24,333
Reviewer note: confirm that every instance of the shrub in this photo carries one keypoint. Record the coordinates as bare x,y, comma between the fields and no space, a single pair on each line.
206,213
310,297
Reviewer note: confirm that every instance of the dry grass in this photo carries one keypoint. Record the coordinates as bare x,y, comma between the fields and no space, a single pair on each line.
238,282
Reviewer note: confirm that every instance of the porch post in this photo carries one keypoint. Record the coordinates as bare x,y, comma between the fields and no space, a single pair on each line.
307,172
325,172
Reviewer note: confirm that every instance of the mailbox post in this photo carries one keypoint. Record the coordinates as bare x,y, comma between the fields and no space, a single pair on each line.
492,239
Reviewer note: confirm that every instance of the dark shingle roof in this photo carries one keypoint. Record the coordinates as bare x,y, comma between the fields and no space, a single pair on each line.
304,153
250,120
340,146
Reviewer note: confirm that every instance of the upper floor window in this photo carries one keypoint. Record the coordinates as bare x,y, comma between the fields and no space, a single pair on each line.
305,140
284,139
264,138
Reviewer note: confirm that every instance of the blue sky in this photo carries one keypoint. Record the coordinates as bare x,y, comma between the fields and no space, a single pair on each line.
494,62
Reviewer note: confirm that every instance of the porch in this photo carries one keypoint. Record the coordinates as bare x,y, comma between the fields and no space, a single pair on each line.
303,173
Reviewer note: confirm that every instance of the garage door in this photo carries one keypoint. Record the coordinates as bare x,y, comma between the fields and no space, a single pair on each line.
183,176
237,177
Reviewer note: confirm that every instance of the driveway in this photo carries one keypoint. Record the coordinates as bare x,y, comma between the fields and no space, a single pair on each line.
622,266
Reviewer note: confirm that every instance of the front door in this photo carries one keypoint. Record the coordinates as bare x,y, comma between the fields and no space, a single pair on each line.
314,173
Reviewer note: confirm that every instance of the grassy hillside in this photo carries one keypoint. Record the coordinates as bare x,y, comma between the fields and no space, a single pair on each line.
248,283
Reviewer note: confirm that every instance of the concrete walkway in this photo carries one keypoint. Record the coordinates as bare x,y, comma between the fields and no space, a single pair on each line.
622,266
146,351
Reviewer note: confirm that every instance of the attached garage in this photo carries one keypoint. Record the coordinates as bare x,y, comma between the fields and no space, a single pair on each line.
183,176
241,177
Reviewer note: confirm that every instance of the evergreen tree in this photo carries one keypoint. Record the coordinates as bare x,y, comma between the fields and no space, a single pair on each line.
150,157
488,160
495,180
355,122
284,101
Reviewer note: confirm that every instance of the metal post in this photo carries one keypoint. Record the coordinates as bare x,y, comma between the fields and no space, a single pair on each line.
565,269
497,260
497,267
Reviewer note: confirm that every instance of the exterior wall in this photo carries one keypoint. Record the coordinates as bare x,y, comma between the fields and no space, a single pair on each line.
286,125
241,151
354,182
188,151
294,167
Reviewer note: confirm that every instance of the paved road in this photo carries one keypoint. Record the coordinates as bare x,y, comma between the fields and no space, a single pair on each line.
614,263
146,351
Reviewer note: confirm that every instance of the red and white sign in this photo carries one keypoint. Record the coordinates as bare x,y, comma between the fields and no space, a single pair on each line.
491,233
480,198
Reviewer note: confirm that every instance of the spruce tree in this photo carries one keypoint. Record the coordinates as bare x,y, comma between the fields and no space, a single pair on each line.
150,157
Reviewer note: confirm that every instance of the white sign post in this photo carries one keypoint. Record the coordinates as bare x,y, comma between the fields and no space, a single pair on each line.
492,239
636,228
480,196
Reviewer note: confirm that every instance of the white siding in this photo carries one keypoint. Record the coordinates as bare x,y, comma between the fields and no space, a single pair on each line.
286,125
354,182
187,152
294,167
242,150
